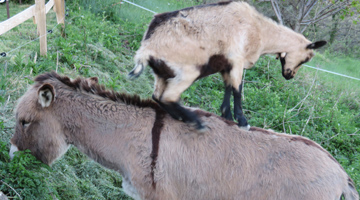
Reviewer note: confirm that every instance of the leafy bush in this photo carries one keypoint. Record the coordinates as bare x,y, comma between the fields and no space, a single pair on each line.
21,175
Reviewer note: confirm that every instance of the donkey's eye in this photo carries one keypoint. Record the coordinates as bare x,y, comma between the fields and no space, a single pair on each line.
25,123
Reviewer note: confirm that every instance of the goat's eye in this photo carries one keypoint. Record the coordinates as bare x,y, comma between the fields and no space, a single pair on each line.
25,123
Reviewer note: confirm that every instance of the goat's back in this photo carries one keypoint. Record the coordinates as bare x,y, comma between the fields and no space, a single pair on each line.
194,33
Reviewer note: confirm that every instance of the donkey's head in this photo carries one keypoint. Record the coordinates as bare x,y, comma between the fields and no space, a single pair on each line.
37,127
291,61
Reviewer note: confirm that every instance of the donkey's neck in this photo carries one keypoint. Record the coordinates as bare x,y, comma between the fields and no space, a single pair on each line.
108,132
278,38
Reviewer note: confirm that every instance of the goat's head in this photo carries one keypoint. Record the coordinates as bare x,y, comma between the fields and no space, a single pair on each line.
291,61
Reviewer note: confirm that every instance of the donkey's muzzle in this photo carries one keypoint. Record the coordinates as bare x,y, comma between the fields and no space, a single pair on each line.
13,149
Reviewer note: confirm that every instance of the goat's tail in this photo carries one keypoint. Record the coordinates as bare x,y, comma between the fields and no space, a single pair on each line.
350,192
140,63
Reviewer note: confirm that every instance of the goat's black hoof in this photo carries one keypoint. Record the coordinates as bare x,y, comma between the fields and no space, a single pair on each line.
201,127
246,127
203,130
226,112
242,122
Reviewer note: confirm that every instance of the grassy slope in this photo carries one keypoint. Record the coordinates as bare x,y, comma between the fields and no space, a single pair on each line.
344,65
317,105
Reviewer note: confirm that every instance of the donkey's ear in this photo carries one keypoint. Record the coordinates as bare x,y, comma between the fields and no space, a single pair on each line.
95,79
316,45
46,95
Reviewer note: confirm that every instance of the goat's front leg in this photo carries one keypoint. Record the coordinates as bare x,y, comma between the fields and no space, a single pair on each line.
234,78
238,113
225,106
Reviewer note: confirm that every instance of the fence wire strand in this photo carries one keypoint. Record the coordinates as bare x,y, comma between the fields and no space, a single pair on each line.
48,32
134,4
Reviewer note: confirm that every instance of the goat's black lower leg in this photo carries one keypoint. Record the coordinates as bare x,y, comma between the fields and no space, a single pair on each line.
180,113
238,113
225,106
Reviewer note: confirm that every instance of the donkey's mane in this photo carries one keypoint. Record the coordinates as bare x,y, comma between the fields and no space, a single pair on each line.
92,87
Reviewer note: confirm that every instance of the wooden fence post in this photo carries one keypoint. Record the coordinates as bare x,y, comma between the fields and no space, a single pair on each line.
7,9
59,8
40,20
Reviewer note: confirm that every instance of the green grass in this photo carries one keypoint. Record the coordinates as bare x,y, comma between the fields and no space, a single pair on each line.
101,41
344,65
13,9
348,66
125,11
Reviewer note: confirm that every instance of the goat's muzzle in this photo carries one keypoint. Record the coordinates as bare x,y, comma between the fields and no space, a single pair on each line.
288,74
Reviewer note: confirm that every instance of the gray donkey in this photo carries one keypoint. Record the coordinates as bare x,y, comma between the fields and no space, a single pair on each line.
161,158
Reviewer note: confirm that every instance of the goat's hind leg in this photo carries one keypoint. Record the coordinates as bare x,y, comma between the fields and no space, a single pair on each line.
171,95
180,113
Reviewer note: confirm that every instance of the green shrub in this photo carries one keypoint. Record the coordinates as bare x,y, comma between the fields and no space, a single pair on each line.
21,175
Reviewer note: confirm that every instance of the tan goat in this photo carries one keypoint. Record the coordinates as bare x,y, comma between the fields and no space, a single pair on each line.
162,158
227,37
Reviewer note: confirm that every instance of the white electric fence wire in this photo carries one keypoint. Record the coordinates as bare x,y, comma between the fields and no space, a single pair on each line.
52,31
134,4
332,72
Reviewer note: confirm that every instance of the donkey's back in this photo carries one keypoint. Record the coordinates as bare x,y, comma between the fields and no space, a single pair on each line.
226,163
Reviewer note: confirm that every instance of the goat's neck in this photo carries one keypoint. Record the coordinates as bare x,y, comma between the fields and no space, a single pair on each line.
278,39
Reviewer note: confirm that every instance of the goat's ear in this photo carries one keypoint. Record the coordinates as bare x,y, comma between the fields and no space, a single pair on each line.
316,45
46,95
